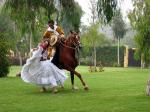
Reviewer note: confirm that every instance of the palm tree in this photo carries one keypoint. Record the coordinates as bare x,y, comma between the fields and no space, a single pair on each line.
119,29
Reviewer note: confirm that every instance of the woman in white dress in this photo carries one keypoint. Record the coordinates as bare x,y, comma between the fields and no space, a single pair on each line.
42,73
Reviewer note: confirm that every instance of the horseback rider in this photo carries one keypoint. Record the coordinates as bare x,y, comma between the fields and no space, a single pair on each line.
53,31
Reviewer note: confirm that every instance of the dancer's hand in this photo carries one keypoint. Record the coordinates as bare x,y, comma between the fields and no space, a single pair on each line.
34,49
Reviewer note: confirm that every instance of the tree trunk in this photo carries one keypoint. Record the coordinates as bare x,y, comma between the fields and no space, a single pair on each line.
92,59
94,53
142,61
17,50
20,59
118,51
79,62
30,42
19,55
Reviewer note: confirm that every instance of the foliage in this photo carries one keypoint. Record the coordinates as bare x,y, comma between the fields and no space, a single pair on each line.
106,9
6,35
139,18
92,37
37,12
4,61
26,15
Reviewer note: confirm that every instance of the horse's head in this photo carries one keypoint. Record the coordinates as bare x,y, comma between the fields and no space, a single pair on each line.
74,39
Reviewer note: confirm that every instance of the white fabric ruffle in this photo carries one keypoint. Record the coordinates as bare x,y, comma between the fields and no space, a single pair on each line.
42,73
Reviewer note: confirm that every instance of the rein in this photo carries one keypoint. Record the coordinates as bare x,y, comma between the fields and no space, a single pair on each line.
68,46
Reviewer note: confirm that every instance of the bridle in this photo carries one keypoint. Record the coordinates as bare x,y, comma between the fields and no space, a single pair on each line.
73,43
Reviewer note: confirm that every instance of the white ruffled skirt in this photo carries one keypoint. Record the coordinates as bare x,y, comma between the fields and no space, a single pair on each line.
42,73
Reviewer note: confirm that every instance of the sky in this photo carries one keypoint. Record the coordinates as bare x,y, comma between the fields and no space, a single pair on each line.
126,5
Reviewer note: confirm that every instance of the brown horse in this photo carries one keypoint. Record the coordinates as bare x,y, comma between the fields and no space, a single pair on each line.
66,56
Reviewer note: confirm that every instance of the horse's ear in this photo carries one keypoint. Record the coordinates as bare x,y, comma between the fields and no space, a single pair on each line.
71,31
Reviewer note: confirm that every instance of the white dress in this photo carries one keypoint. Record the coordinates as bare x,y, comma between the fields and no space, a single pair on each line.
42,73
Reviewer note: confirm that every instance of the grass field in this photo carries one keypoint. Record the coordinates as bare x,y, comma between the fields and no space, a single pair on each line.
114,90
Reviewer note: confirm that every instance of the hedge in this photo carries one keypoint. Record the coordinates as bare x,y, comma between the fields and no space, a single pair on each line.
106,55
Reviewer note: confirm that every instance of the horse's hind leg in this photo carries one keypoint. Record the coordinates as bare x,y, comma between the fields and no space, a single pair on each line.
72,81
80,77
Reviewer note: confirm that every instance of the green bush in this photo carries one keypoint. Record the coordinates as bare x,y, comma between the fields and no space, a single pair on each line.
4,61
6,38
108,55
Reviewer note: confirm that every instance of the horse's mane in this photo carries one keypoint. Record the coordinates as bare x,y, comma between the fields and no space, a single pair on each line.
55,59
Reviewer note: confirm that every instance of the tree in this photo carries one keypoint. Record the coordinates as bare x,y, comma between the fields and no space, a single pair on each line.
119,29
92,38
94,33
139,19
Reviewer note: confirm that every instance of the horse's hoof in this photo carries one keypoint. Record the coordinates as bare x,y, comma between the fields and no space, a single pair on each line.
75,88
61,87
43,90
54,91
86,88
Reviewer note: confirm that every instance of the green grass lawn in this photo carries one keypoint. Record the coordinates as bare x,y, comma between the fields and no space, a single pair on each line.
114,90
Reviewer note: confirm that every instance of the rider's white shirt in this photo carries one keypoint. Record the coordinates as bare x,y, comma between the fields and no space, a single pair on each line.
53,30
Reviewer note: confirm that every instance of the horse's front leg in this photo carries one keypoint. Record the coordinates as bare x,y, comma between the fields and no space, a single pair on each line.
72,81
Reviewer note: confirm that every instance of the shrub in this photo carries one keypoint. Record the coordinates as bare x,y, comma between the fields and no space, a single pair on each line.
4,61
6,38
